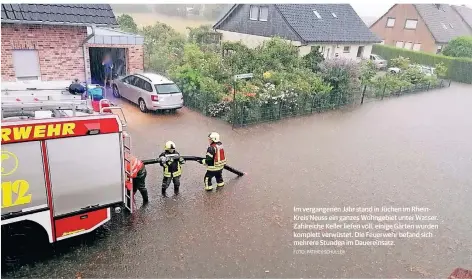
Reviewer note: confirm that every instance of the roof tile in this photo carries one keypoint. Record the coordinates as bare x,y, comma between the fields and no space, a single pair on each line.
346,27
443,21
88,14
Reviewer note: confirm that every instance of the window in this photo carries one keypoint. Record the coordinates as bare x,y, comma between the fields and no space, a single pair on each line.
260,13
168,88
26,64
411,23
130,80
334,15
254,12
390,22
399,44
444,26
450,24
147,86
417,47
347,49
317,14
438,50
408,45
263,13
360,51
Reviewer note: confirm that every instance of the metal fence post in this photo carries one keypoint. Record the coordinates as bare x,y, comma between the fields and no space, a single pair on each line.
449,83
363,94
383,93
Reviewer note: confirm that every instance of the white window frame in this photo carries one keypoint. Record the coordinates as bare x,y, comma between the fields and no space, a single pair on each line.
408,45
251,12
402,44
260,13
411,24
317,14
16,52
388,22
417,47
348,49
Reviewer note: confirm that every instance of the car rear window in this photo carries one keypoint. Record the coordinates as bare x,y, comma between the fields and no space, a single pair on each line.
168,88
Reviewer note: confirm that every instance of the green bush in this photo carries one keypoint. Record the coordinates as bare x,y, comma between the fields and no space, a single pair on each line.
458,69
459,47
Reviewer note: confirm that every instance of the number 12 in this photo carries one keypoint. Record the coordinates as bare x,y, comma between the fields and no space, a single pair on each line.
19,187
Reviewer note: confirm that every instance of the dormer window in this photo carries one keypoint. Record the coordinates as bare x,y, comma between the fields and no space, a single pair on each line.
317,14
260,13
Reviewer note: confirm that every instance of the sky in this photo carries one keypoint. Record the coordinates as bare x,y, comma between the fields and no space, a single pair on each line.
376,9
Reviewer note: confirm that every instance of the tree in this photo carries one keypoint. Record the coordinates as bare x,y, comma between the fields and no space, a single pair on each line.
459,47
313,59
127,23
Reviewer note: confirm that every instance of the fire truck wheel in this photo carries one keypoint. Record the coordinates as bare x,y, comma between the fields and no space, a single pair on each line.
142,105
116,91
26,242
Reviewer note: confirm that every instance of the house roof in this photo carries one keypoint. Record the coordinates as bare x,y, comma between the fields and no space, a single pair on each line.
74,14
465,13
347,26
443,21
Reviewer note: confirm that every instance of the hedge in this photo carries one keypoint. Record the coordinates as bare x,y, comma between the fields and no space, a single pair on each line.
459,69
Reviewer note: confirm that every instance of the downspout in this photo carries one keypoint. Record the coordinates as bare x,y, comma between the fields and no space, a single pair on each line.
82,44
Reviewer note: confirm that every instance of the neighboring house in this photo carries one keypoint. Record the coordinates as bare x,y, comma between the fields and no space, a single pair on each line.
336,28
425,27
63,42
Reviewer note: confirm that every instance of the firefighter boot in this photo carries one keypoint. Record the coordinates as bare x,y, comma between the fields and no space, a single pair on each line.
163,191
144,194
176,190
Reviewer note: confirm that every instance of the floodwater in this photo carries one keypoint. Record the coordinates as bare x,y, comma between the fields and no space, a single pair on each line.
410,151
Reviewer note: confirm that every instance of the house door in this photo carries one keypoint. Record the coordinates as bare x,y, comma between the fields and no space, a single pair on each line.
360,52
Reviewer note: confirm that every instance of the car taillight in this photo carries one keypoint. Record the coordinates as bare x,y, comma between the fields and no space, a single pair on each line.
154,98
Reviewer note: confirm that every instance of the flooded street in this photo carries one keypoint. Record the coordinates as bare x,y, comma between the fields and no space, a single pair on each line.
409,151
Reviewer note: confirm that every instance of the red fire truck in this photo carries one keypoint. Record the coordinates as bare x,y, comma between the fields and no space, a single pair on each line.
61,174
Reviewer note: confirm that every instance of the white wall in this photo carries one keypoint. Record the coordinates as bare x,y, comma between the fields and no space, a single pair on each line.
250,41
329,51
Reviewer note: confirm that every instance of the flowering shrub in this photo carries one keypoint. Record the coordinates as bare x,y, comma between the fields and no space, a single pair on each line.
219,109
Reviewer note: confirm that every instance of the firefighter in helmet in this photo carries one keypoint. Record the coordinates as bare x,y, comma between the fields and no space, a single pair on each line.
138,173
172,162
215,161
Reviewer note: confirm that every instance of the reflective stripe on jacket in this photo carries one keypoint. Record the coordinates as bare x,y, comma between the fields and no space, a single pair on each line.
172,168
133,166
215,157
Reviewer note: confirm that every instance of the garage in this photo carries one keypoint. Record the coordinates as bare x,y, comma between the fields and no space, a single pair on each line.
125,50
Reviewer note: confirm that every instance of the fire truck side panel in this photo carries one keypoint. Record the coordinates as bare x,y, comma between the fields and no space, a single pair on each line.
89,176
23,179
82,223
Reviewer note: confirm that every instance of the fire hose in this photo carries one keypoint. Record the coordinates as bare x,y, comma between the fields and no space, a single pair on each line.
187,158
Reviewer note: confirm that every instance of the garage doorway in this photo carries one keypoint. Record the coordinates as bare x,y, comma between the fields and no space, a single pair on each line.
96,55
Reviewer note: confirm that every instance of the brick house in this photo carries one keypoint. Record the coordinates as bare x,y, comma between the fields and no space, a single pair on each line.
425,27
335,28
62,42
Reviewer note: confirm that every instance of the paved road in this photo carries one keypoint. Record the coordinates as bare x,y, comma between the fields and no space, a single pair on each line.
410,151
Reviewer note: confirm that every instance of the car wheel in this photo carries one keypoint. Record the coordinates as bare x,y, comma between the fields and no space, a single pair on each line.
116,91
142,105
393,72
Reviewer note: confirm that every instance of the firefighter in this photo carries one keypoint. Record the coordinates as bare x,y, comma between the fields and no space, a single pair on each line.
138,173
172,167
215,161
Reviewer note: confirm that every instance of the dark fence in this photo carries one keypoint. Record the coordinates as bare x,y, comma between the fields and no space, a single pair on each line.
243,113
